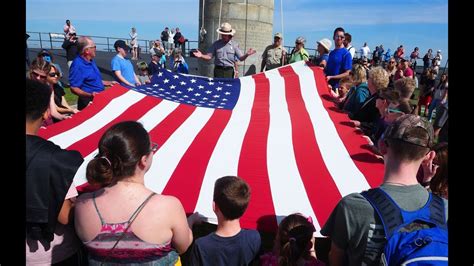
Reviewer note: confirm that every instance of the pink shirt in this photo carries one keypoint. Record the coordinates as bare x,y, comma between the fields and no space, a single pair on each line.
38,254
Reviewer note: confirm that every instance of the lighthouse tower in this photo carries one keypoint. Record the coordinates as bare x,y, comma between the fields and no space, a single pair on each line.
253,22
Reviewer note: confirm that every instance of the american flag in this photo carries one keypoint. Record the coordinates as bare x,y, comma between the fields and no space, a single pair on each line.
277,130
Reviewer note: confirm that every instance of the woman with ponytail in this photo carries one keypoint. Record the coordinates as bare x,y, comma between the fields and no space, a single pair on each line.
124,221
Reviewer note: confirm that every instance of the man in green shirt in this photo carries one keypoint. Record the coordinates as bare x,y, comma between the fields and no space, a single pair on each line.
356,232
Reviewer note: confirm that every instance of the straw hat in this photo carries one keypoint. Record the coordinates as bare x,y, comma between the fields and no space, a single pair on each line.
226,29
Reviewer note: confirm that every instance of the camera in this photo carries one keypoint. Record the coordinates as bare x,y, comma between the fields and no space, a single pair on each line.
191,52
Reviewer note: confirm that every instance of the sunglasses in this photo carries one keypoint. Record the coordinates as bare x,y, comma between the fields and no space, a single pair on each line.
394,111
93,47
340,36
153,147
36,75
54,74
392,62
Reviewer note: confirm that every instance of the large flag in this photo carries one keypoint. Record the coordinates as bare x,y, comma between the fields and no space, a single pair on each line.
277,130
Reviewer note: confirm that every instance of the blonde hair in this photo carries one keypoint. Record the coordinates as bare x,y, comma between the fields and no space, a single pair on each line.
379,77
405,86
359,75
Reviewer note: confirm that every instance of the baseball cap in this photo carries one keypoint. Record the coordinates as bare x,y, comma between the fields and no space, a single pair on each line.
278,35
121,44
405,128
142,65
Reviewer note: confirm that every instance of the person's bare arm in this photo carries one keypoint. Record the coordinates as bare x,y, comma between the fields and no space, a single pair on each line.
119,76
250,52
336,255
79,92
340,76
68,107
54,109
182,234
65,214
199,54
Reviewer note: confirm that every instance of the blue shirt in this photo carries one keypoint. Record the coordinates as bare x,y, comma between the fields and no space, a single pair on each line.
356,98
324,57
240,249
339,61
85,75
126,69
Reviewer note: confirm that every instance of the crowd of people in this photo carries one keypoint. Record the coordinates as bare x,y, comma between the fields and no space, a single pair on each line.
122,221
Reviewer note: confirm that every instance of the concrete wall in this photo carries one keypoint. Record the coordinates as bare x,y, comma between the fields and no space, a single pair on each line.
254,32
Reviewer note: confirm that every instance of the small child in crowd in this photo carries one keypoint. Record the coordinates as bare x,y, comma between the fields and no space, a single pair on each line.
179,65
143,74
294,243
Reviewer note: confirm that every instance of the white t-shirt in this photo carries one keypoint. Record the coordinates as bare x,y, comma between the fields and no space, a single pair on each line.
351,50
365,51
37,254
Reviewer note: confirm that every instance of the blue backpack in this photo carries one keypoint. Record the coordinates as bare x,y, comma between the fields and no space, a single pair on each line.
413,237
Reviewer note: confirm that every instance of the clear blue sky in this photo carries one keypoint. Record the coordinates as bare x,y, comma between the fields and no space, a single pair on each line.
391,23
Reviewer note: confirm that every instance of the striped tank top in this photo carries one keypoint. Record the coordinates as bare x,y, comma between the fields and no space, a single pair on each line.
130,250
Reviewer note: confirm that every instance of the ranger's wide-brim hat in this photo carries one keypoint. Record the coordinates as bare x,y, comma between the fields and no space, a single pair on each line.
226,29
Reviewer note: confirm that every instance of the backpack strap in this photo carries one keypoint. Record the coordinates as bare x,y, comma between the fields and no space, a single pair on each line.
437,213
388,211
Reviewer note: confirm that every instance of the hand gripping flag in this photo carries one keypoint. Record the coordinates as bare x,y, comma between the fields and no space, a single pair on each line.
275,129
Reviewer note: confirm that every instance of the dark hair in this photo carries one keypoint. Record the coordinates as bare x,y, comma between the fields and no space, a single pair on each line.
37,99
120,149
338,29
232,196
439,182
348,37
293,239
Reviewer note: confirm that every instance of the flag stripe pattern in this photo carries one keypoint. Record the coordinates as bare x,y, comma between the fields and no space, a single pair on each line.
275,129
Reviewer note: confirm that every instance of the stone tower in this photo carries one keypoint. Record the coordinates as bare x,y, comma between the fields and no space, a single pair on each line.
253,22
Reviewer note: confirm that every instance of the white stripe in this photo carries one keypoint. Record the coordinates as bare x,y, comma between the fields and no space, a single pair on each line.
116,107
288,191
149,120
339,163
425,259
80,176
166,159
225,157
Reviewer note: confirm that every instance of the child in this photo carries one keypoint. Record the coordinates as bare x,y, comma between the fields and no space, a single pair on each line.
143,74
179,65
229,245
294,243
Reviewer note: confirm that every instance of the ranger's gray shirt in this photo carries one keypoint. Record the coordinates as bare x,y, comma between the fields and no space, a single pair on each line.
355,227
225,54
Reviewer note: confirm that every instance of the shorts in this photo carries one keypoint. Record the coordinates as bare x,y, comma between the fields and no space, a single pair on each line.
424,100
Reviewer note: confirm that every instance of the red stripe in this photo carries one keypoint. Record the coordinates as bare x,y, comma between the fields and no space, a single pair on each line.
186,181
321,189
370,167
87,145
100,101
161,132
253,162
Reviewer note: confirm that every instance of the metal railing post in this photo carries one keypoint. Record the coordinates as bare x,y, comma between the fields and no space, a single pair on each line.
41,41
50,41
108,45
